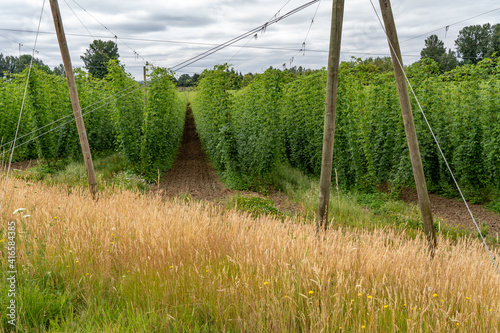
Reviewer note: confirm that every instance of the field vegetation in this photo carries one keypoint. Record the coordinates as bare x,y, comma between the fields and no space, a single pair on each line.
116,118
138,261
134,262
278,119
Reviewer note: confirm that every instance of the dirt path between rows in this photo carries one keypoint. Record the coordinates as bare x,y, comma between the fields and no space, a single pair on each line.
454,212
192,173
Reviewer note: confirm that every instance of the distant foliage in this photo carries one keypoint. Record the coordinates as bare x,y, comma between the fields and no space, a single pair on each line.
97,57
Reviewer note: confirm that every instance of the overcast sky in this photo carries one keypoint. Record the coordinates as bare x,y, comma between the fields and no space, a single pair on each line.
167,33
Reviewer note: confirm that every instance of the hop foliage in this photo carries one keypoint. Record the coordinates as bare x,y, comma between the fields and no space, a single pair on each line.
240,131
276,117
129,113
163,124
46,109
211,109
255,115
114,115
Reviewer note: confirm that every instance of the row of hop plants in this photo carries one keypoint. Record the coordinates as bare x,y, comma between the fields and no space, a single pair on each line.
240,130
279,118
116,118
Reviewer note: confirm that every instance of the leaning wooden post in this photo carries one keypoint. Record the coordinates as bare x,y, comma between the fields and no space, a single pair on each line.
330,108
68,68
411,135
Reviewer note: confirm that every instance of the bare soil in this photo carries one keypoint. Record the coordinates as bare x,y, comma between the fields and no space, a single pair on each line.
454,212
192,173
20,165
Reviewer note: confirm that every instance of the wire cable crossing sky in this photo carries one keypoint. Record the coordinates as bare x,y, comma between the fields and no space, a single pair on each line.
168,33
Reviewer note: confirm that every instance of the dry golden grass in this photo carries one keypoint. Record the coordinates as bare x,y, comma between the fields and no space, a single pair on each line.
190,266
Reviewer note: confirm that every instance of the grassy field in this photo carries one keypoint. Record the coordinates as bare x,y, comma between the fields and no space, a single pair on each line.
141,263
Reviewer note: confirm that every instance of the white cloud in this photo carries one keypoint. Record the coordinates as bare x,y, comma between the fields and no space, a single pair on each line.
197,21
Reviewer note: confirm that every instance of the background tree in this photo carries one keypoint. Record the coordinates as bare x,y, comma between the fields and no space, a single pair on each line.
194,79
435,50
495,40
24,61
247,79
184,80
12,65
59,70
3,65
98,55
473,43
381,65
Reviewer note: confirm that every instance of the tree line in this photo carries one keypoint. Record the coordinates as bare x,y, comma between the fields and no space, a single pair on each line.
473,44
14,65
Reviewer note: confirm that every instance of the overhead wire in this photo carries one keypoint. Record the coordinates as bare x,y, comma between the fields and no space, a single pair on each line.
105,27
303,48
255,36
438,29
180,66
21,112
263,27
451,24
436,141
78,18
18,42
122,39
213,44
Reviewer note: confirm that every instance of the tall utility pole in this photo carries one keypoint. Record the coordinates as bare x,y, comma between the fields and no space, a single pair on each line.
68,68
330,111
411,135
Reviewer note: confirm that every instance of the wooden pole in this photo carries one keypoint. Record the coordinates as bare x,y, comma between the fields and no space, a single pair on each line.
330,110
411,135
68,68
145,88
